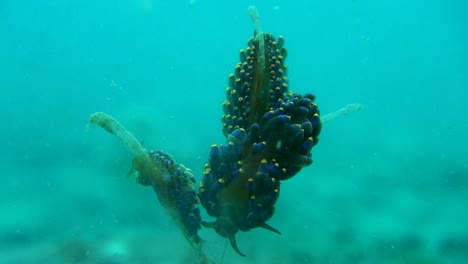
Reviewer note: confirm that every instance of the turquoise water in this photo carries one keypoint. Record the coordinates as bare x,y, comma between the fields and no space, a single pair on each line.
388,183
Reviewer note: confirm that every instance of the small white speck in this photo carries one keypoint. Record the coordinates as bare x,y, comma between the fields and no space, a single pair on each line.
279,143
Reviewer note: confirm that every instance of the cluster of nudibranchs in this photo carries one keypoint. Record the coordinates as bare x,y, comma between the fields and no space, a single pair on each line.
270,134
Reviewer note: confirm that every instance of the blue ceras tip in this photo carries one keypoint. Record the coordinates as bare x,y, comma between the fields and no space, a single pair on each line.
293,131
238,136
308,129
262,171
274,124
254,133
275,171
257,148
306,146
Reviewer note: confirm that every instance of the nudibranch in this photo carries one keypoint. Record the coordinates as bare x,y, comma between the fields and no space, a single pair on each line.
175,190
173,183
270,132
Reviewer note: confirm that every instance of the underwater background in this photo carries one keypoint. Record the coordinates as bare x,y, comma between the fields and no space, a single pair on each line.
389,184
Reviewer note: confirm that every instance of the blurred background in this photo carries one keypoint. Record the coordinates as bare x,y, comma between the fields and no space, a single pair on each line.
388,184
